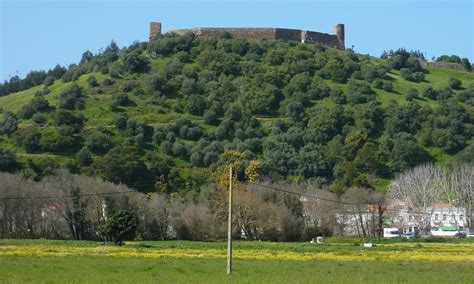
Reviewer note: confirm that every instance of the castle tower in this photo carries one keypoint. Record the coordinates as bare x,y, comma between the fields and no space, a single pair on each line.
339,32
155,30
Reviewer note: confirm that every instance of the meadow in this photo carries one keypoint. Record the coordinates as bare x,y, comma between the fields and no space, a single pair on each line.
336,261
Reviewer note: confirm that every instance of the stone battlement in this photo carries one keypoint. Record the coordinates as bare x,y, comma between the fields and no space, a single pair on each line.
335,40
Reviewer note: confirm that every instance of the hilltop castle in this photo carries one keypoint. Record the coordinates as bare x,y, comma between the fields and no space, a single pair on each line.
335,40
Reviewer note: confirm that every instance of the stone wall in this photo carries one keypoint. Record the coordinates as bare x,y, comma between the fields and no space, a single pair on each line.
445,65
324,39
288,35
335,41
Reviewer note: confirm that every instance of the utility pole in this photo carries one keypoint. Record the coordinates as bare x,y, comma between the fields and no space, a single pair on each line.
229,228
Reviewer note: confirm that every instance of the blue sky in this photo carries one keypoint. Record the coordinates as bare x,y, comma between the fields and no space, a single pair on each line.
38,34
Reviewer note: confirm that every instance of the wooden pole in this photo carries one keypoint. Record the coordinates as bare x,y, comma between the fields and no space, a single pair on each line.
229,228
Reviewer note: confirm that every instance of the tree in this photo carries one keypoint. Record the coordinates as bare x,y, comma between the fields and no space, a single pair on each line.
210,118
84,157
121,226
98,142
7,160
359,92
71,98
419,189
405,153
196,105
9,123
123,164
120,120
461,181
135,61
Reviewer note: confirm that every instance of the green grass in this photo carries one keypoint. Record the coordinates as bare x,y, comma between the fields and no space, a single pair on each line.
254,262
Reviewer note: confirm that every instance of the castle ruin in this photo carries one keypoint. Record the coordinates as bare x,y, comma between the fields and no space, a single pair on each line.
335,40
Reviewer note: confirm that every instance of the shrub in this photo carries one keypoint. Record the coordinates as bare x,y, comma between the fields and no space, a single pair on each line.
387,86
412,94
48,81
430,93
377,83
120,99
92,81
454,83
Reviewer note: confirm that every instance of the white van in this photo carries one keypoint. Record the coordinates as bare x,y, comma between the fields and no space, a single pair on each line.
447,231
391,233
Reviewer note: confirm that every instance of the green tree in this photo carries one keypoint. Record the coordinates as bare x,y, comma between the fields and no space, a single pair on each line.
123,164
84,157
121,226
9,123
7,160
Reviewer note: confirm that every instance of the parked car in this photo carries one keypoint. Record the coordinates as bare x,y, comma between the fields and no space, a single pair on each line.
460,235
391,233
409,235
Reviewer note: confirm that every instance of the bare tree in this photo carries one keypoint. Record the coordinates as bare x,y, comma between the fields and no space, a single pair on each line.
461,184
419,189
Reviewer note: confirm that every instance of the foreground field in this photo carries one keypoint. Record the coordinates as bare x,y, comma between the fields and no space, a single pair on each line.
181,261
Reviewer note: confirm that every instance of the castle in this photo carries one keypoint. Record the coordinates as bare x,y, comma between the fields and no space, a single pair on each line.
335,40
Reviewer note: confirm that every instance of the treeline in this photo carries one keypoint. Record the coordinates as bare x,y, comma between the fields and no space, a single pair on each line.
66,206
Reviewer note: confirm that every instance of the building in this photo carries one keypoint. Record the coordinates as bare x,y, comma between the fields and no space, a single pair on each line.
335,40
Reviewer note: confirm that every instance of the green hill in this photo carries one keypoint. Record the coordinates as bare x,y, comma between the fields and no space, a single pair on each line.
159,115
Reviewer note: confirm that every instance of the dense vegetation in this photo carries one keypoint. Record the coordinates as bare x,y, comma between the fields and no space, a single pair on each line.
158,116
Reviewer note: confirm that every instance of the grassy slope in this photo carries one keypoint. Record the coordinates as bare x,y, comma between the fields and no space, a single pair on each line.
97,110
175,261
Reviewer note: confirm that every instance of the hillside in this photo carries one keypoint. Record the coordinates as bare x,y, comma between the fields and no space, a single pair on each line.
158,116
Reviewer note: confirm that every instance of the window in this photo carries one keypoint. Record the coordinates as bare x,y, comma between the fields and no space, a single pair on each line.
461,218
436,217
445,217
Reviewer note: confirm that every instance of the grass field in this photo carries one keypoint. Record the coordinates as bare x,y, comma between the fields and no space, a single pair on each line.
254,262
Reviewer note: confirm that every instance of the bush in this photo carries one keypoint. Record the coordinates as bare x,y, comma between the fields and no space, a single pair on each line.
412,94
387,86
454,83
418,77
48,81
121,226
377,83
120,99
430,93
92,81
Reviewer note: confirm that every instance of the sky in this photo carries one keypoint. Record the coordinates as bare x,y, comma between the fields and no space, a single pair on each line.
38,34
